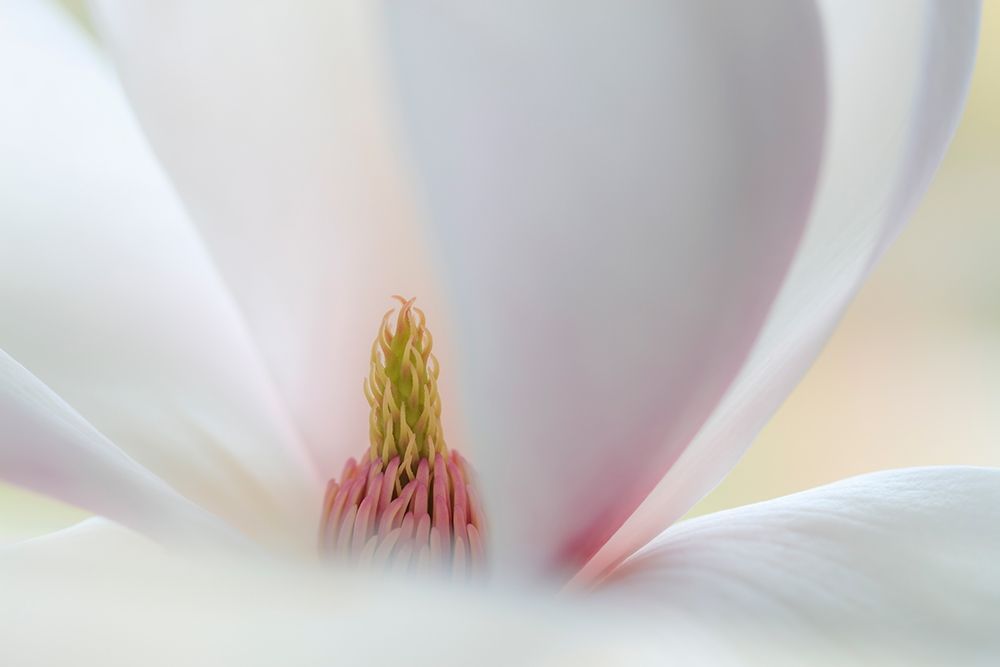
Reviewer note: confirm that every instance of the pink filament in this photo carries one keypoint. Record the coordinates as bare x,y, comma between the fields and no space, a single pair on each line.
432,522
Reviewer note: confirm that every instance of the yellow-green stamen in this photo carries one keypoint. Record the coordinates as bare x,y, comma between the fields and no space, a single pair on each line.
409,502
405,416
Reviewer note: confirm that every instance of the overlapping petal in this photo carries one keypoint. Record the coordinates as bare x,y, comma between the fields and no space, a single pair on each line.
270,119
108,297
898,74
897,565
617,190
48,447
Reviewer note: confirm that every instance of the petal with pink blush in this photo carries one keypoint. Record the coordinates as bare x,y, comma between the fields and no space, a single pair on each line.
279,147
916,58
616,192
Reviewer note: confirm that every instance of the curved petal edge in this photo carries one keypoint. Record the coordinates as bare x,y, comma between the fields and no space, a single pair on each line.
901,563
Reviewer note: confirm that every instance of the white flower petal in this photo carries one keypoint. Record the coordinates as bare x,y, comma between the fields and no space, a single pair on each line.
86,543
903,561
48,447
898,75
96,595
269,118
617,189
108,297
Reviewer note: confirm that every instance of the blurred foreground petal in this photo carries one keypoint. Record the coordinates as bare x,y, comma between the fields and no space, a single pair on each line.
96,595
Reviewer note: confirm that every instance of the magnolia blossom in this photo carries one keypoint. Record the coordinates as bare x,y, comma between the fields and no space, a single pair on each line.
631,226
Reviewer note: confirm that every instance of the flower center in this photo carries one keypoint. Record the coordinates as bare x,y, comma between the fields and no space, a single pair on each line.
409,503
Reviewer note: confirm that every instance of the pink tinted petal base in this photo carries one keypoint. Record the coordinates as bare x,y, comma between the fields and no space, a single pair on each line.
613,228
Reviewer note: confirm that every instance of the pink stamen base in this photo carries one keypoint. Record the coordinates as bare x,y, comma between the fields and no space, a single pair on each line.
433,522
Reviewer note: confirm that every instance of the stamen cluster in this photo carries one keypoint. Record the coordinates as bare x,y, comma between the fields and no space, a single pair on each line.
430,523
409,503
